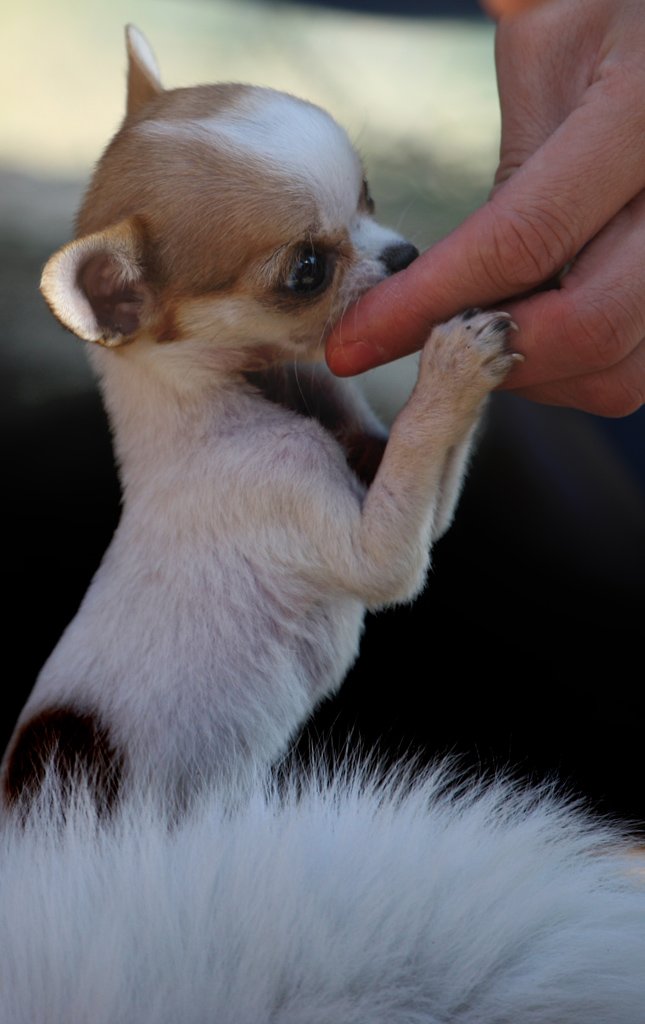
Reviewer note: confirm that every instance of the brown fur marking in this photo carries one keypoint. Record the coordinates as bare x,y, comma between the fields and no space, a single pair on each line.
167,329
75,745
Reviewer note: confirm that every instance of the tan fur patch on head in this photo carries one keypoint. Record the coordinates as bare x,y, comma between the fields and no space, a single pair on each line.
205,207
217,185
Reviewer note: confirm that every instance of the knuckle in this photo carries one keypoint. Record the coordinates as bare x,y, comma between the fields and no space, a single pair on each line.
528,248
608,394
623,82
601,332
619,396
592,338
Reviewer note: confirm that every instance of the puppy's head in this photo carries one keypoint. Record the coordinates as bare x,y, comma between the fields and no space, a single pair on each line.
233,220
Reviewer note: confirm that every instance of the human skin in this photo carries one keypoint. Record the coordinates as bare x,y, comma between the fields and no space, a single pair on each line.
570,185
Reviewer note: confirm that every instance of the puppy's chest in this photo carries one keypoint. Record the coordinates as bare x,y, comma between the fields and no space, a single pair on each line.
309,400
254,466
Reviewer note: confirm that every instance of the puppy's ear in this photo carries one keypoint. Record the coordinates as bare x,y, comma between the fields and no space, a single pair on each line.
95,285
144,80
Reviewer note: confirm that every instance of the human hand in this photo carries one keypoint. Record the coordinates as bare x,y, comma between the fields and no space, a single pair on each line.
571,175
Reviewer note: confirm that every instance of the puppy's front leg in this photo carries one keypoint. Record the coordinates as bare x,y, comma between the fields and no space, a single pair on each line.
460,364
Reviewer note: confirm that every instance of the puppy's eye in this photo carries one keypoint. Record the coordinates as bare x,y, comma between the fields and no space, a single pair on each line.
308,273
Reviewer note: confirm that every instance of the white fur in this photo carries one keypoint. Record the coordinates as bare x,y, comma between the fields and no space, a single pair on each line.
348,905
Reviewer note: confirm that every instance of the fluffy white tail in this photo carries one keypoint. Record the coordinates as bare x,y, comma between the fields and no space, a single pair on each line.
325,903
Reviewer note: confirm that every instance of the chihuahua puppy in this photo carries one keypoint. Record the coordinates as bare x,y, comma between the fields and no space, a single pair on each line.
225,230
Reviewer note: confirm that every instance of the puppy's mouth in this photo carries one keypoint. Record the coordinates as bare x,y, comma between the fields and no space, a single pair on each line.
357,284
391,260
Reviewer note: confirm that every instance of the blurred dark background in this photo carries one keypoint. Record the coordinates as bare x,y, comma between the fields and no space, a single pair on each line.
525,648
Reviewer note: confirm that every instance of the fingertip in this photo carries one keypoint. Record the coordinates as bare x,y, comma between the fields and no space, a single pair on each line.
338,349
370,333
346,359
336,358
499,8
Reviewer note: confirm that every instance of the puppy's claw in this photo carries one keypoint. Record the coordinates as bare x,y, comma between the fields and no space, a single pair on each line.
518,357
507,317
500,326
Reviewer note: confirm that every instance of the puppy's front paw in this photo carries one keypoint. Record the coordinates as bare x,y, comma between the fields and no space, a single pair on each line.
472,349
491,333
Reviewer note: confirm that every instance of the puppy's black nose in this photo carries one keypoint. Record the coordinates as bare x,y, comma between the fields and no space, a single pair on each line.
398,256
